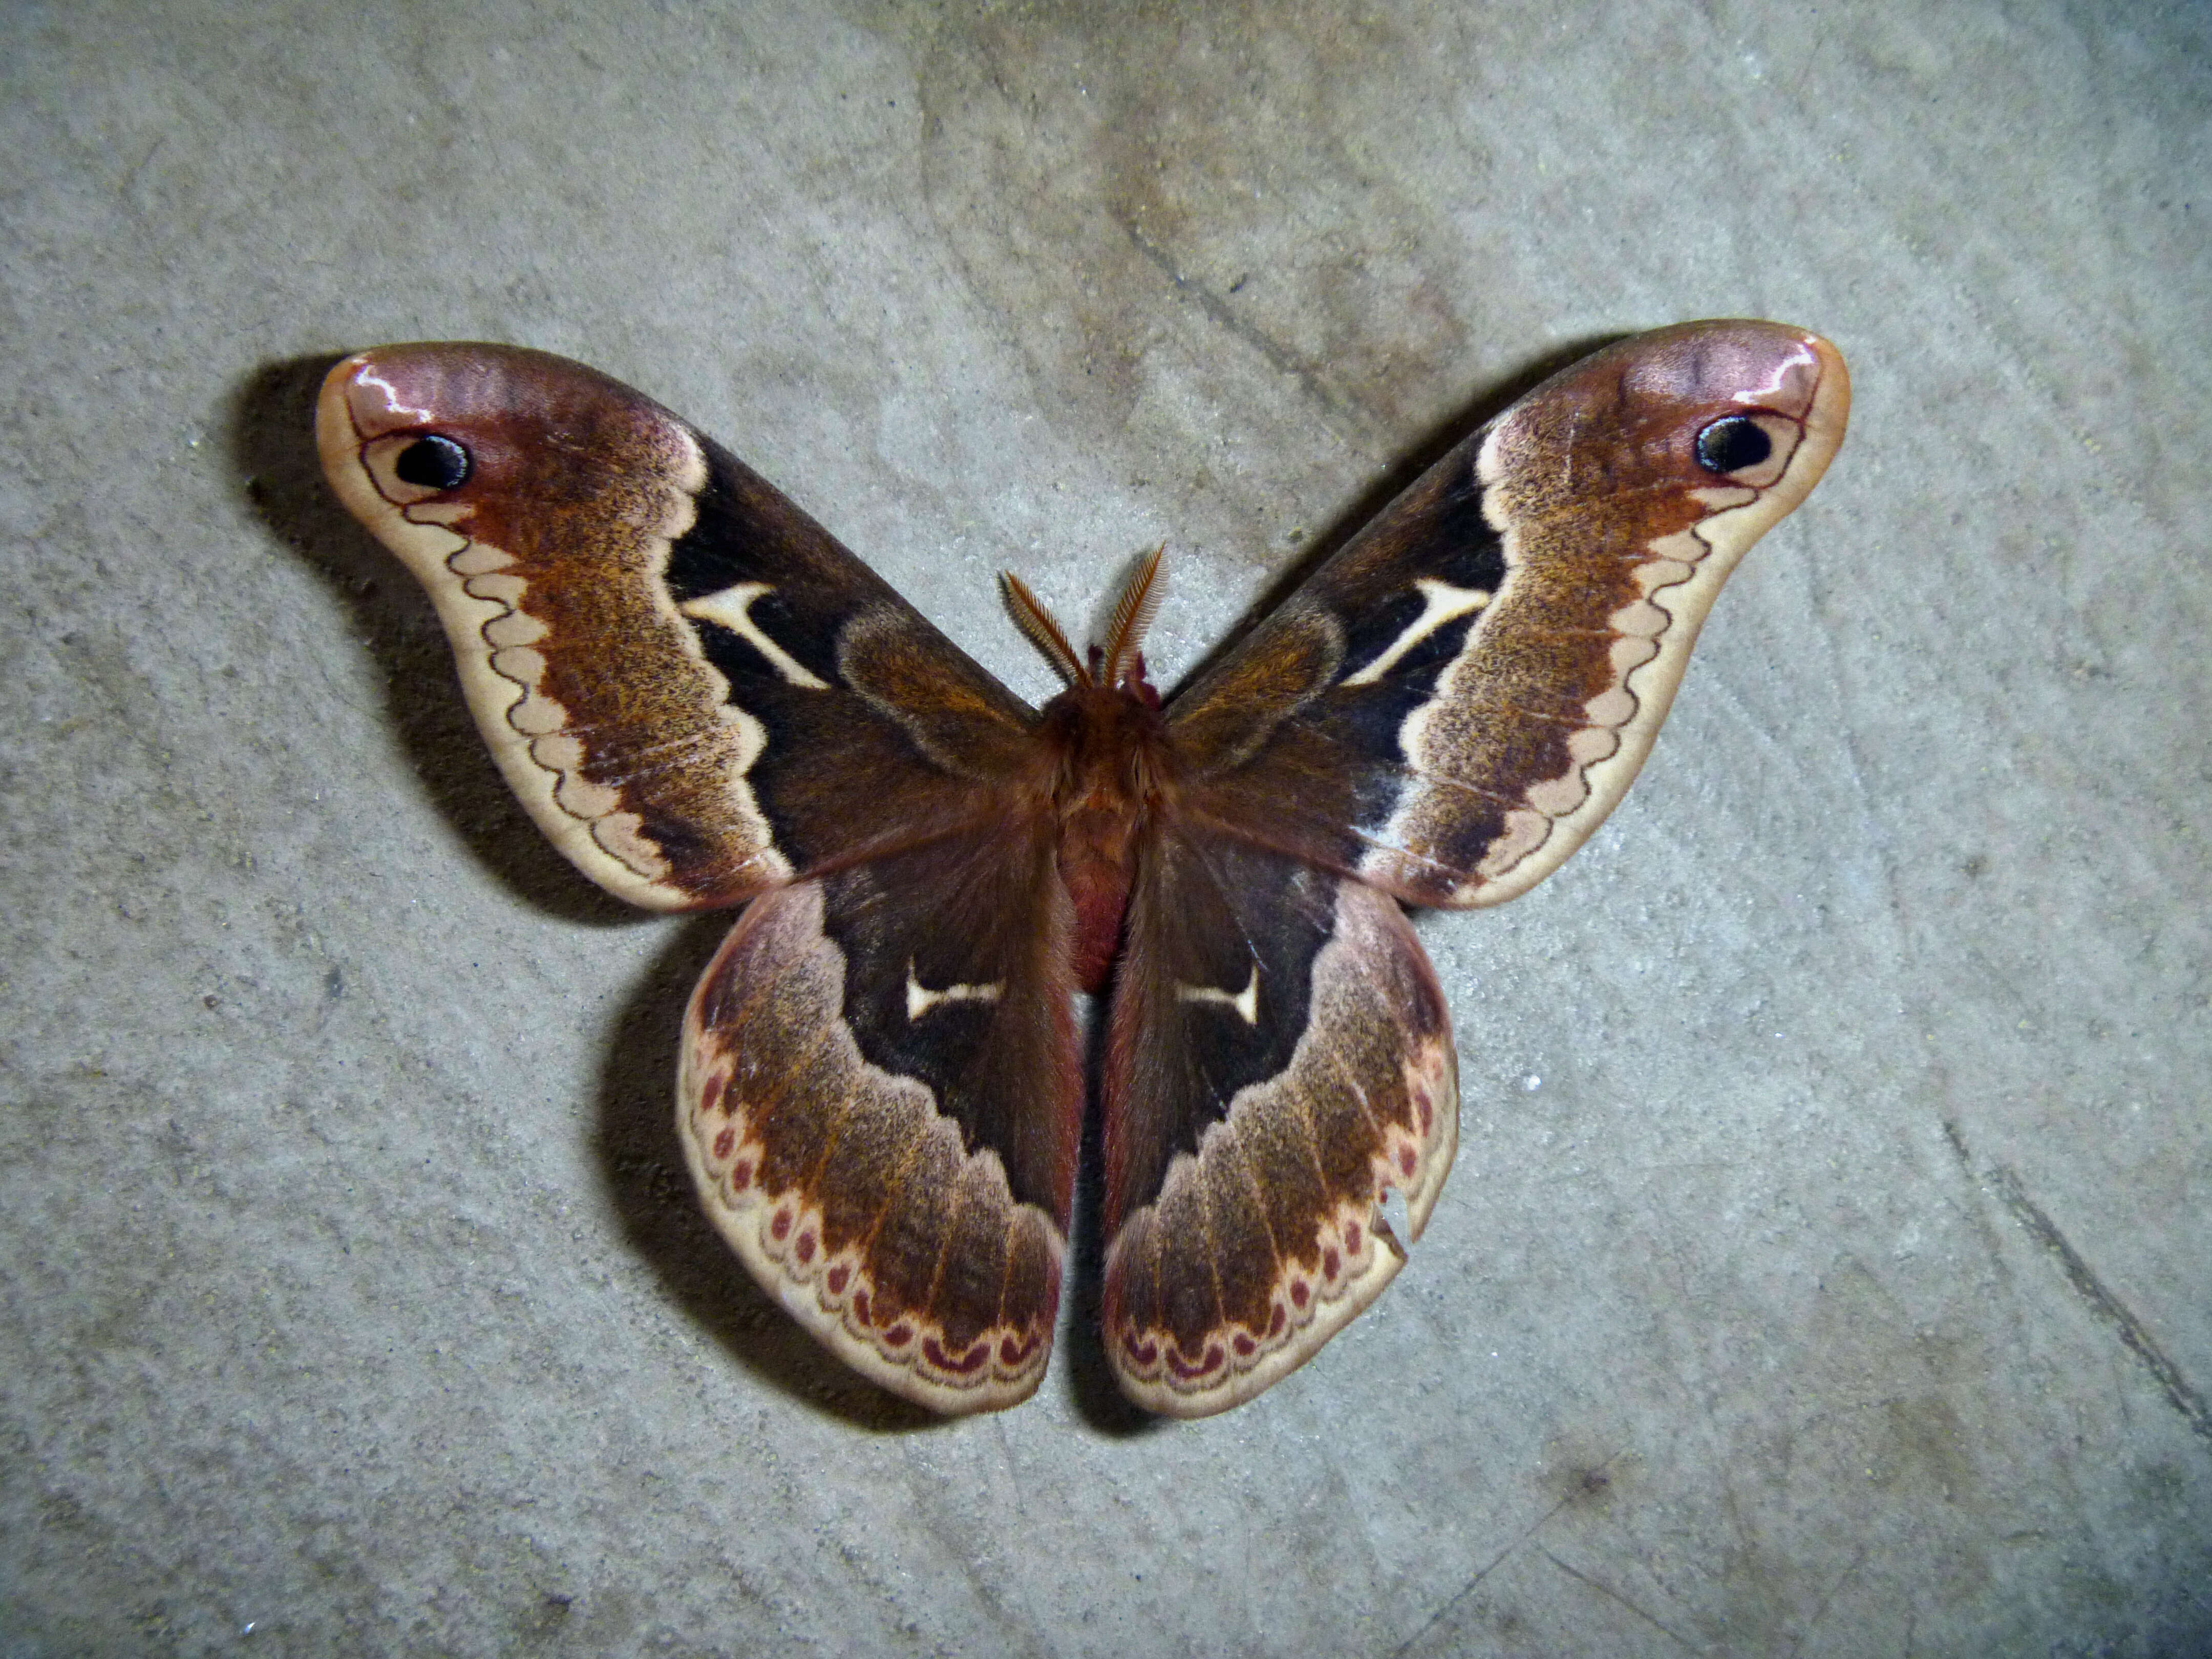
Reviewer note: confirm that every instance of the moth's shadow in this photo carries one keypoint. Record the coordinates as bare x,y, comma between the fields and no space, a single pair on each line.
1085,1374
271,432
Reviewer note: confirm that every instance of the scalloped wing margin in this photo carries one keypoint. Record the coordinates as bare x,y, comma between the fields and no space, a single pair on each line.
879,1099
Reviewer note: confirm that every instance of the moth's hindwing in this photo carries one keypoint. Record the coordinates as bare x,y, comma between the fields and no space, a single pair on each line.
1450,705
1279,1056
695,691
879,1100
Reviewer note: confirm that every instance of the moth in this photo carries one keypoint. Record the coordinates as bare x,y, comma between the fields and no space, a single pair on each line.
707,701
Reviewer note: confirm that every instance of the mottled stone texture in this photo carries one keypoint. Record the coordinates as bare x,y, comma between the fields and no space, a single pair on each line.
1824,1271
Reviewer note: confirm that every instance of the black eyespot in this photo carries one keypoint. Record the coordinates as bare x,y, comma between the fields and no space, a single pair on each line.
433,463
1733,443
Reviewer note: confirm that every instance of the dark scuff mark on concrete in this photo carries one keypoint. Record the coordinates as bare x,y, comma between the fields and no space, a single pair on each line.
2092,1289
1219,312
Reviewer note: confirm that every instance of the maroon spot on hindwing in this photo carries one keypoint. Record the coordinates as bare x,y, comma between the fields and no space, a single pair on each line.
1207,1363
1246,1344
1332,1264
1301,1292
899,1335
779,1227
724,1144
710,1097
1352,1237
1425,1110
1407,1162
805,1248
741,1173
969,1359
1142,1350
861,1308
1014,1350
836,1278
1276,1319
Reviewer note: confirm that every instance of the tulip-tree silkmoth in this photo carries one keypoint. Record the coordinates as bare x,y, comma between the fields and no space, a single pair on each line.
706,700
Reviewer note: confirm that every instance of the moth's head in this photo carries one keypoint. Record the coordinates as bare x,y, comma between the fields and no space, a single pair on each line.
1682,422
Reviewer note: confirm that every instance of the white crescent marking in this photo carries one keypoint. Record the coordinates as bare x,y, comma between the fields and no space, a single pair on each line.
1440,603
731,609
919,999
1245,1003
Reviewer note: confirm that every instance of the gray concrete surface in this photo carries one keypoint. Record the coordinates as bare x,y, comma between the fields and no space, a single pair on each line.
1827,1270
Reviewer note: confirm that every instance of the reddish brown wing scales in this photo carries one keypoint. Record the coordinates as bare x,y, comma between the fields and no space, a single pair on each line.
657,646
1616,539
1280,1056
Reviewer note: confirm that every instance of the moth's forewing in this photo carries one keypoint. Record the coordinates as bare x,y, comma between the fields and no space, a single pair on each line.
1452,703
694,689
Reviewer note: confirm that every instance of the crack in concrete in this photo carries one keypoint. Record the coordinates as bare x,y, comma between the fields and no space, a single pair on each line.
1606,1589
1499,1560
1827,1601
2093,1290
1219,312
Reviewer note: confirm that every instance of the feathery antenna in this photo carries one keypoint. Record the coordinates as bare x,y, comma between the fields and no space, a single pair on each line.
1035,622
1133,614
